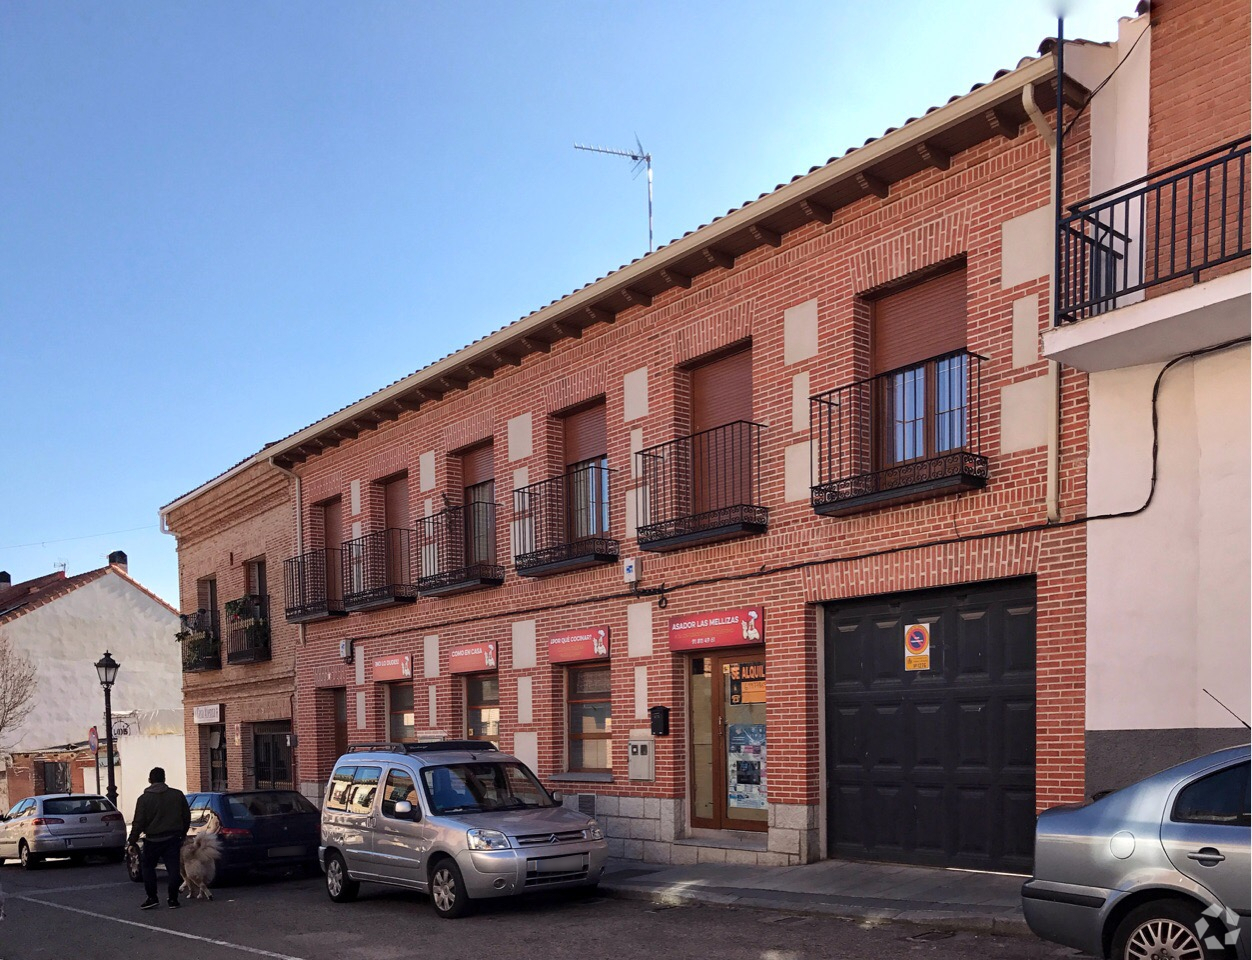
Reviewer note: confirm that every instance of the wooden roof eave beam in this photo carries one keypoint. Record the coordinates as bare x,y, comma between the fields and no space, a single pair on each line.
764,235
1002,122
675,279
817,211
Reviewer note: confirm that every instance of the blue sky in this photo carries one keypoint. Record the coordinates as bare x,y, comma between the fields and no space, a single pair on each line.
220,222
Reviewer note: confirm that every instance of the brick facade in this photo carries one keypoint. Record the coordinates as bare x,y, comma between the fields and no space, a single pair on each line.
250,516
804,560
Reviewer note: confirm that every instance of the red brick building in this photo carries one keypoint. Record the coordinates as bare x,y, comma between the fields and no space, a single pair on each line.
238,650
800,479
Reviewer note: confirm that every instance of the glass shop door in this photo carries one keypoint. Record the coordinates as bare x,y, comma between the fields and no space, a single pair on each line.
728,744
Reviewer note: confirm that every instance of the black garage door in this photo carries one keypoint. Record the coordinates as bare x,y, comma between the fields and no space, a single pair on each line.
933,766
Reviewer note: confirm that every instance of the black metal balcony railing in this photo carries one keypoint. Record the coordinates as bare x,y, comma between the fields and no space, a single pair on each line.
247,629
562,523
702,488
201,641
378,569
1174,223
899,436
314,583
456,550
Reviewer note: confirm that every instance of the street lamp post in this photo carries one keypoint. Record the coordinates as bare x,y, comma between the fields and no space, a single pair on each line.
106,668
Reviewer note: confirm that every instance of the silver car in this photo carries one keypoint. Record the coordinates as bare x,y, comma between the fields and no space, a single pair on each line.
458,820
61,825
1156,870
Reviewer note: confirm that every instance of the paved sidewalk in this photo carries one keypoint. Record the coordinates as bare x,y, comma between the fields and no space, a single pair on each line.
928,896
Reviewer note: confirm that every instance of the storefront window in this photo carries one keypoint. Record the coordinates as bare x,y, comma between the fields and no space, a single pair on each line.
590,720
482,707
400,712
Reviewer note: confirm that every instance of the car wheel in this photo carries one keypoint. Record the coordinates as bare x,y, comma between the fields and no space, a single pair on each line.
447,890
134,869
341,887
1162,928
30,861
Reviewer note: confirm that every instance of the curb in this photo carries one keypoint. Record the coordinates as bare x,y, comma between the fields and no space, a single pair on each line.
930,916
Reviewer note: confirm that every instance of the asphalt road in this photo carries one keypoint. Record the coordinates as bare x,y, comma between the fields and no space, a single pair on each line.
91,912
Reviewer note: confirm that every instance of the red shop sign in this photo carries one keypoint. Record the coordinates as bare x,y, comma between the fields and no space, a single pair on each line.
589,643
473,657
393,668
722,628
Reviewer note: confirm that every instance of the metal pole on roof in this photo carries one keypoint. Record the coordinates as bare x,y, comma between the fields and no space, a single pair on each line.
1058,212
641,158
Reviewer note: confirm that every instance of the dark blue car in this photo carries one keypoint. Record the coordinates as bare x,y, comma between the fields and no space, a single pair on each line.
259,829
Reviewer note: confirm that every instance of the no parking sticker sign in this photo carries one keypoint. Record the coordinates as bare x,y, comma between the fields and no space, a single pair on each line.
917,646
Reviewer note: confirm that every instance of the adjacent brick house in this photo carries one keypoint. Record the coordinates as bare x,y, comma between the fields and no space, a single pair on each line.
238,650
767,547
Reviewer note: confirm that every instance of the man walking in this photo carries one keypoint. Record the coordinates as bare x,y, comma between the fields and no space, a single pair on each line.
163,817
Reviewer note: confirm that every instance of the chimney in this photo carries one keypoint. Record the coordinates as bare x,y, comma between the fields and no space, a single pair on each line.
5,580
118,559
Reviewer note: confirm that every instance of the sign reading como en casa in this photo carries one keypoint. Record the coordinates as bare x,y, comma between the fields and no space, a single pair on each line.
399,667
473,657
588,643
721,628
208,713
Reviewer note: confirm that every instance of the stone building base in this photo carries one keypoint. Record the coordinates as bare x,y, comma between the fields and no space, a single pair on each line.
656,831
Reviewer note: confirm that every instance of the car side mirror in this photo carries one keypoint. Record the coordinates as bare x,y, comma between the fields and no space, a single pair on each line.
556,796
404,810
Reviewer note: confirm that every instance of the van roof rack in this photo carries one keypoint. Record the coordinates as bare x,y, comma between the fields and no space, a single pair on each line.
426,746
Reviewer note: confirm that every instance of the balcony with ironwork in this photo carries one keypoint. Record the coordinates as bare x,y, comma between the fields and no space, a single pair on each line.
1151,269
378,570
314,586
201,641
247,629
701,489
562,524
904,435
456,550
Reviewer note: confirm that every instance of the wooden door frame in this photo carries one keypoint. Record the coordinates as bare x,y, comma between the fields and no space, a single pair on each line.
717,713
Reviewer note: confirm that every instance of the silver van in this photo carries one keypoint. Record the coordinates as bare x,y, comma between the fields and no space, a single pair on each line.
456,819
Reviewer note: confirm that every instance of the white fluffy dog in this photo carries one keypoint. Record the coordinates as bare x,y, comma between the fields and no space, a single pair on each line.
198,860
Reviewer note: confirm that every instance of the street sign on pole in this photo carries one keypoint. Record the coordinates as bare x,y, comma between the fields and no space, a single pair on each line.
93,741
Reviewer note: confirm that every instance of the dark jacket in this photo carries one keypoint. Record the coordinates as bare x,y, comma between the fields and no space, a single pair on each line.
160,813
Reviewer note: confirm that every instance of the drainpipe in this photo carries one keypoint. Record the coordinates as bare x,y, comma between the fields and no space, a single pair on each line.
1052,139
299,523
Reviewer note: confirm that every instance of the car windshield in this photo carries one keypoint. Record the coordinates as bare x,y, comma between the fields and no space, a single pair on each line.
65,806
268,803
479,787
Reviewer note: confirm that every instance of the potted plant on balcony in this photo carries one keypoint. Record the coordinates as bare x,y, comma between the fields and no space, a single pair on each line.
197,642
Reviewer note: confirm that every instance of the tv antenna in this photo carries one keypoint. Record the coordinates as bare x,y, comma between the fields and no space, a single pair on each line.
642,160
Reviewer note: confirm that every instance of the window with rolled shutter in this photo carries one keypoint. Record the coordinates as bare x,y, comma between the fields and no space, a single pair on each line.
918,339
478,502
206,602
721,442
721,391
921,321
585,437
332,537
396,523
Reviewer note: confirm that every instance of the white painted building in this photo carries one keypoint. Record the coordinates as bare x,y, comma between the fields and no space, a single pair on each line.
64,625
1167,356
